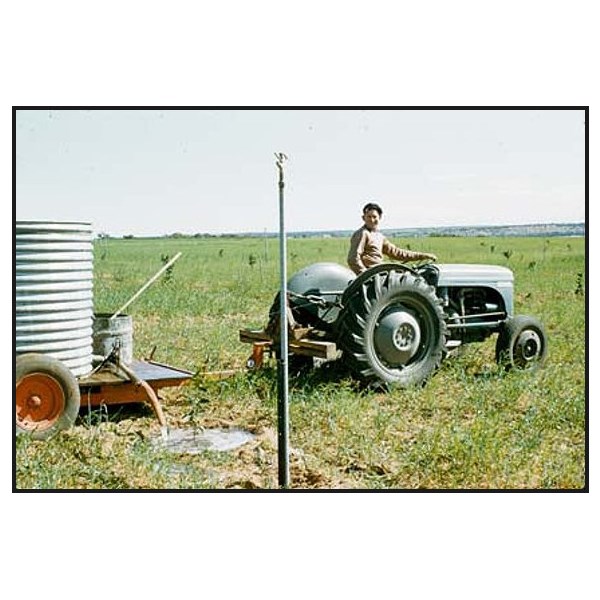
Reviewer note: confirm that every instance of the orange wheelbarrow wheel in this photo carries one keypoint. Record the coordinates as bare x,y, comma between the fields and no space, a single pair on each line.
46,395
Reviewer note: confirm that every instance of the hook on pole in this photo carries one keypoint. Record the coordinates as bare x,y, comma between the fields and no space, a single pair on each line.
280,158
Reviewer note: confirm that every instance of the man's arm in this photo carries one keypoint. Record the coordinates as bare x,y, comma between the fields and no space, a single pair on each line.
404,255
357,247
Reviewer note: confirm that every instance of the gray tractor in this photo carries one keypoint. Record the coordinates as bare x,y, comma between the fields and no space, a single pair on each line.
395,324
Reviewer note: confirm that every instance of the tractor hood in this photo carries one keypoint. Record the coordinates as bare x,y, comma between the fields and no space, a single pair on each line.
452,275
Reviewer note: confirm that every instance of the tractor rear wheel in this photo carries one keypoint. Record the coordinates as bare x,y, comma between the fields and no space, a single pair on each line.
47,396
392,329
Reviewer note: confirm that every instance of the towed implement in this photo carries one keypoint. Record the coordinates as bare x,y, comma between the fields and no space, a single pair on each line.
65,355
48,396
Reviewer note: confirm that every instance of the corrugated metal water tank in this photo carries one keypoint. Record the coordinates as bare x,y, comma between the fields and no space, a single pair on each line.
53,289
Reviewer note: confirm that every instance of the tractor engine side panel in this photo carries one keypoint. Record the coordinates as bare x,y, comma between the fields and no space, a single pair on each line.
472,313
499,280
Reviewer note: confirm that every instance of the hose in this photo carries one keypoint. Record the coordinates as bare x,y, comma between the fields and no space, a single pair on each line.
151,396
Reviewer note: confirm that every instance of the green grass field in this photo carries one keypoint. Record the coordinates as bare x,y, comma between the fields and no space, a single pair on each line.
473,426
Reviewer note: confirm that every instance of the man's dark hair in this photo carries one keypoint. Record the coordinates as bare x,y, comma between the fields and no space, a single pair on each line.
372,206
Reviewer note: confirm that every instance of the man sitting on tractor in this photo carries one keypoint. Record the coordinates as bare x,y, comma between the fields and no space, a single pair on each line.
368,245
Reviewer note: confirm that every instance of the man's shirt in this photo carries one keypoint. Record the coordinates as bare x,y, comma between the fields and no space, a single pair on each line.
367,249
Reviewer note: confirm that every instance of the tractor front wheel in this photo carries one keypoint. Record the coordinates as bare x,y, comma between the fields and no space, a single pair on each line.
521,343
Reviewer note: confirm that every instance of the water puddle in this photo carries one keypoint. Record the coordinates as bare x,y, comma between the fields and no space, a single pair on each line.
194,441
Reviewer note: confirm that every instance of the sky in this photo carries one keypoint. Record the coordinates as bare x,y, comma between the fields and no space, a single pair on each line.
157,172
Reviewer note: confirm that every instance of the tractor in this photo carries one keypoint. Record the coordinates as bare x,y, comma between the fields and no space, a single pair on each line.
393,324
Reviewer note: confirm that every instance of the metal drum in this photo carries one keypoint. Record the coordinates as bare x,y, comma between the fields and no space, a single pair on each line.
113,334
53,289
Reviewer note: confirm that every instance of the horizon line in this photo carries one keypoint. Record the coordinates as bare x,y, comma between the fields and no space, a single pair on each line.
325,231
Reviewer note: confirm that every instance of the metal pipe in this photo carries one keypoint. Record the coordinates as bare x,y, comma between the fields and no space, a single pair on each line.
480,315
482,324
282,364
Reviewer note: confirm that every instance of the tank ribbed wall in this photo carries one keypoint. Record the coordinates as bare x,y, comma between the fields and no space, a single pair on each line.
53,288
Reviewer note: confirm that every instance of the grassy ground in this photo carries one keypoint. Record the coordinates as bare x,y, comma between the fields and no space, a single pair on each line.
472,426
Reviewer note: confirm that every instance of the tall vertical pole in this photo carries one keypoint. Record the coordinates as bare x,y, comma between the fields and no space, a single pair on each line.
283,433
266,246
